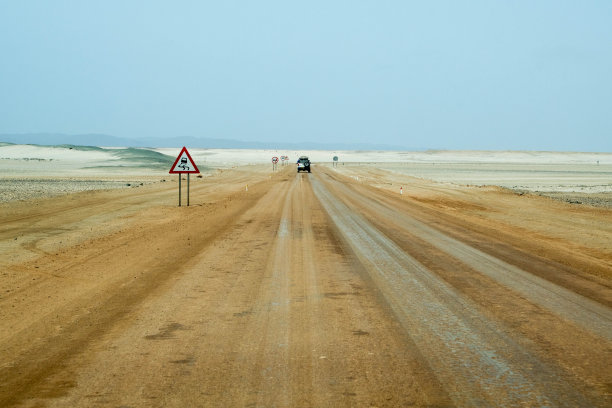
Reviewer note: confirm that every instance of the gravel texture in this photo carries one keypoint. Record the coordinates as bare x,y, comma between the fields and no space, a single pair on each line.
15,189
593,199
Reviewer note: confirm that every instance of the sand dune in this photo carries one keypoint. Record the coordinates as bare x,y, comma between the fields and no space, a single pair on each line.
29,171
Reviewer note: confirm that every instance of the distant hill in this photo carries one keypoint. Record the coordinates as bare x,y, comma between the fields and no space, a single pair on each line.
93,139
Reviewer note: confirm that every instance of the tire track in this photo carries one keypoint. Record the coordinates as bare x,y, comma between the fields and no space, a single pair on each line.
562,302
269,326
305,325
41,350
469,354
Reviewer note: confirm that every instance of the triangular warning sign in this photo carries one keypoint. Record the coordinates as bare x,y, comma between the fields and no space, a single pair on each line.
184,163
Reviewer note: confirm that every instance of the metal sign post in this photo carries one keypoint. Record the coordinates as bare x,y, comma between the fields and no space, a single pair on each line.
184,164
274,161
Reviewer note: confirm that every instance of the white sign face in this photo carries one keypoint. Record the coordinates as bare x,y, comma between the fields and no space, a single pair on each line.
184,163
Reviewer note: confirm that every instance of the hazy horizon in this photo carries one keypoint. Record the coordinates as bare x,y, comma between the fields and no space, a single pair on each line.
435,75
43,140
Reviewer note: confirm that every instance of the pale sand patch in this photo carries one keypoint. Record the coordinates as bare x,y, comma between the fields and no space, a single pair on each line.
28,171
234,157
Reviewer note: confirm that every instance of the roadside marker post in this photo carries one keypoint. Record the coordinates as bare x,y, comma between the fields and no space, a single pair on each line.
184,164
401,190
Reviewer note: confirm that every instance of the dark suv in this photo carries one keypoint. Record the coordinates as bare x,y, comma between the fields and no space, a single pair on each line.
303,164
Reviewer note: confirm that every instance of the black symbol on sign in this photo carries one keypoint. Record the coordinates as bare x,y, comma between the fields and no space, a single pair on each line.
183,164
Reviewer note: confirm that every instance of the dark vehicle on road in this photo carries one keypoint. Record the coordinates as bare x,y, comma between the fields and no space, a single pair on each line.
303,164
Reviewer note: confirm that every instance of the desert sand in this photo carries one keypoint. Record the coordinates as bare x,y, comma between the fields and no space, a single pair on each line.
28,171
391,279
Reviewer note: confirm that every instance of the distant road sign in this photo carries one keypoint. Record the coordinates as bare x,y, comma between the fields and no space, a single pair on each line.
184,163
275,159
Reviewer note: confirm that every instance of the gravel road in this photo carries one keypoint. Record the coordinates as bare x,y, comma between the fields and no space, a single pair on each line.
306,290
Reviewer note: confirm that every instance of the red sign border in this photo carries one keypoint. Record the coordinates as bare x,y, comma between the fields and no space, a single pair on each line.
184,149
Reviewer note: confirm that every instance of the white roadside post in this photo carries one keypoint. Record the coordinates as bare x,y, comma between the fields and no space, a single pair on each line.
184,164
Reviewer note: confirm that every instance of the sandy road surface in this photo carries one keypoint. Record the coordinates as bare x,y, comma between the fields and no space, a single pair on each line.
306,290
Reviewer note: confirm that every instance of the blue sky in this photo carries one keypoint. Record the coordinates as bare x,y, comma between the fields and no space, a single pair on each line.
520,75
